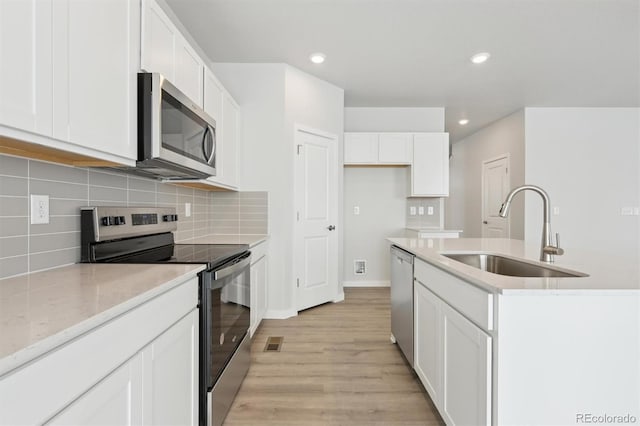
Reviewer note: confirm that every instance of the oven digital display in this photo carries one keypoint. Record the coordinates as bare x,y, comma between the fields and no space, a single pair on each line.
144,219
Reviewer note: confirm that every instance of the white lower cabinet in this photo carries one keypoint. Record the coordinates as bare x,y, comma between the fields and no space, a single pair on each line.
116,400
171,375
140,367
466,378
452,360
259,274
158,385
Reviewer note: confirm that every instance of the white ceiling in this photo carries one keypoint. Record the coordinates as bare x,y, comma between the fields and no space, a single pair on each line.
416,52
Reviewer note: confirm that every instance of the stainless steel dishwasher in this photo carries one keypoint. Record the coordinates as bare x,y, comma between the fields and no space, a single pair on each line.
402,301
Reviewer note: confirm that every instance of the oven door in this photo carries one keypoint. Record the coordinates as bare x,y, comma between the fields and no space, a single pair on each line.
173,129
224,316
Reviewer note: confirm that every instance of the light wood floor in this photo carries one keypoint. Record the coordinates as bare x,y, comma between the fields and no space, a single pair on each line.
336,367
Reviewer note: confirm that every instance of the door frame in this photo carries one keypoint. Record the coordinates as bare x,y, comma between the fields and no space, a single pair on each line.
297,127
507,157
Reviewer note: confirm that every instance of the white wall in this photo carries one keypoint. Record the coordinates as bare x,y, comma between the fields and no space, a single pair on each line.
380,192
272,98
394,119
463,207
588,160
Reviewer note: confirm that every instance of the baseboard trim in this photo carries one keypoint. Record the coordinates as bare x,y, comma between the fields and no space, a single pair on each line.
366,284
339,297
280,313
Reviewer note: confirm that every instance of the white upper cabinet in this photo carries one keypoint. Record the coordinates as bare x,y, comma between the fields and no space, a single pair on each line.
94,74
165,50
395,148
360,148
213,93
25,65
430,167
189,71
378,148
158,41
221,106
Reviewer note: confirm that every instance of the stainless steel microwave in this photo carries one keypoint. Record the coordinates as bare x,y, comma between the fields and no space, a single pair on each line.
176,138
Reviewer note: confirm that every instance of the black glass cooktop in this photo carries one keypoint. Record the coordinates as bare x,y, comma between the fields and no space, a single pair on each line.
213,255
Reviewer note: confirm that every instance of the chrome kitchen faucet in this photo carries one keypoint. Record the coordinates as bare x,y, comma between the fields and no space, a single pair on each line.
547,249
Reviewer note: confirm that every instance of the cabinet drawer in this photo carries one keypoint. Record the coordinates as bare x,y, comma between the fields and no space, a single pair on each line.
472,302
258,252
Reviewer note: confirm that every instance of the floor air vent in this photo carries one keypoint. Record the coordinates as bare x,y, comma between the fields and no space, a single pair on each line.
273,344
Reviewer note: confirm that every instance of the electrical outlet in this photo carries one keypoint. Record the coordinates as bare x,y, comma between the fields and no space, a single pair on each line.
556,211
421,211
39,209
430,210
187,209
356,210
412,211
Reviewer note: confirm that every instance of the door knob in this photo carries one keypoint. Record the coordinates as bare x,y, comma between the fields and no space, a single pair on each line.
331,227
485,222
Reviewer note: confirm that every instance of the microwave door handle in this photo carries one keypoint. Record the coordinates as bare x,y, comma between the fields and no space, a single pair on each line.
208,156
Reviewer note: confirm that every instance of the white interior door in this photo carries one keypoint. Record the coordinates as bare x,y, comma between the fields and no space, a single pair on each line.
495,187
315,237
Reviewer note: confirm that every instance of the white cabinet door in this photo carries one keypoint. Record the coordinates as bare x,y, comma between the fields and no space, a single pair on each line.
395,148
158,41
360,148
258,293
25,65
171,375
94,69
230,141
466,393
115,400
219,105
430,167
213,93
189,71
428,340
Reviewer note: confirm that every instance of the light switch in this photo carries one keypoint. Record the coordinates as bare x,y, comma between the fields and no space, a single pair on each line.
556,211
430,210
356,210
412,211
421,211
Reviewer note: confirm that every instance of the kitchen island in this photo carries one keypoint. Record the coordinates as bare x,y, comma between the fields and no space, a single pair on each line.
496,349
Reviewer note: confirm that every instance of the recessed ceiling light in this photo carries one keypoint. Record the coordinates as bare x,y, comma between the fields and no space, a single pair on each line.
463,122
480,58
317,58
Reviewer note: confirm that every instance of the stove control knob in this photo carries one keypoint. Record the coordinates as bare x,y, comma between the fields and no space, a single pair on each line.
170,218
118,220
107,221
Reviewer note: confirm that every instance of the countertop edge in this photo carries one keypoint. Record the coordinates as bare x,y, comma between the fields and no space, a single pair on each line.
34,351
458,271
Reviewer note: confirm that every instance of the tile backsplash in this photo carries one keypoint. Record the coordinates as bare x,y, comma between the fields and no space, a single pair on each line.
28,248
424,221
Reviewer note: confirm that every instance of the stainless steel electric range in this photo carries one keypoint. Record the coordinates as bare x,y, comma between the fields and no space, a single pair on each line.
144,235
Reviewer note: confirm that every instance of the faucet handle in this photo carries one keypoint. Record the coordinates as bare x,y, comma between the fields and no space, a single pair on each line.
559,251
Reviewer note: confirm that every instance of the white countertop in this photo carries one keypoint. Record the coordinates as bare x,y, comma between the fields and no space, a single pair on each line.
43,310
249,239
607,274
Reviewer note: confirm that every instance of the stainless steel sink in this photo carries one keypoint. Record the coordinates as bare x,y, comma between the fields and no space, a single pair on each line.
501,265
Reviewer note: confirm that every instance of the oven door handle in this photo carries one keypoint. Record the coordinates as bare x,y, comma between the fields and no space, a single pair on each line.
239,264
